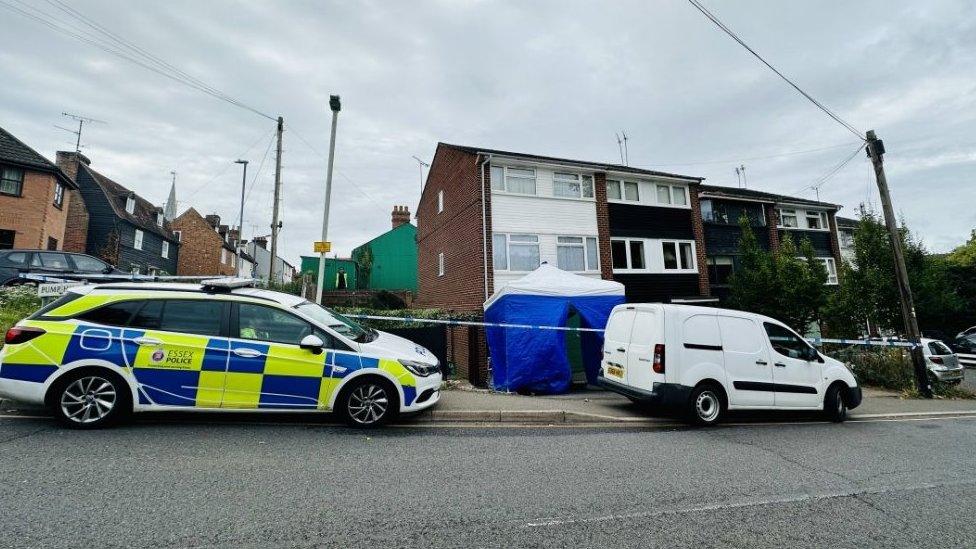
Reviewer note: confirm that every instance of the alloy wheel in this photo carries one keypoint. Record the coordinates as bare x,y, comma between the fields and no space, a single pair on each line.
88,399
368,403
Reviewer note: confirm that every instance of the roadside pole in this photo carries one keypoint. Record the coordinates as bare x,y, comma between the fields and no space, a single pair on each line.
240,222
275,224
335,106
876,151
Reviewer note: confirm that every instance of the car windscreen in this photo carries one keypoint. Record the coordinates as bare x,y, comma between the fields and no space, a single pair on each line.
342,325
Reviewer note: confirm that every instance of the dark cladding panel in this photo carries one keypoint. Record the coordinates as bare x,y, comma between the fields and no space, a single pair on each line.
650,288
819,239
650,221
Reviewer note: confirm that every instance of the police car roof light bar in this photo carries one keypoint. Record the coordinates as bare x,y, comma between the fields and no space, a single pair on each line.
228,283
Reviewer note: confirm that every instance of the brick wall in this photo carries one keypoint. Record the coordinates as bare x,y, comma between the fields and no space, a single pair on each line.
76,224
603,225
200,247
704,288
32,215
456,232
772,222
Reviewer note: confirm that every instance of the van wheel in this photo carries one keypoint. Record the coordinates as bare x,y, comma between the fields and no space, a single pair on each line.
705,405
835,409
90,399
368,402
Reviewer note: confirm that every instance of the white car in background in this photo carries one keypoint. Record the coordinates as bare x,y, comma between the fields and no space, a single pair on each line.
943,364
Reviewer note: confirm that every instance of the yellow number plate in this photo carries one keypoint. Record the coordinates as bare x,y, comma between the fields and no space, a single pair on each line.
615,371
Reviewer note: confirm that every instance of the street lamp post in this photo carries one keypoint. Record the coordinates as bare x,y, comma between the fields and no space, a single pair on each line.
240,224
334,105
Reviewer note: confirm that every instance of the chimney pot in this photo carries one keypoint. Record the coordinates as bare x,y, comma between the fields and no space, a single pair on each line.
400,216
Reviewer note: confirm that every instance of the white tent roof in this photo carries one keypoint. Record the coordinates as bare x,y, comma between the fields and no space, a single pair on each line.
551,281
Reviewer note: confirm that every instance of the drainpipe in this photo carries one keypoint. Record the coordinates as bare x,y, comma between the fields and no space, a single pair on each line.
484,224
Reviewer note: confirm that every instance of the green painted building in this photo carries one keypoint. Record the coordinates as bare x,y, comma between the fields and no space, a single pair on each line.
333,268
389,261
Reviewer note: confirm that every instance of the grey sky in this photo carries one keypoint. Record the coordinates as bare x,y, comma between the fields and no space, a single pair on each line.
556,78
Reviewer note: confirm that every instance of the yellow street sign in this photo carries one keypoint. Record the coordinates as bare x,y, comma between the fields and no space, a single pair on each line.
323,247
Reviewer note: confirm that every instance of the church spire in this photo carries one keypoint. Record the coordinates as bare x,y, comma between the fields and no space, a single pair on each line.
169,212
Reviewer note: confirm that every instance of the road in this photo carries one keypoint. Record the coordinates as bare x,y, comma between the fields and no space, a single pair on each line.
168,482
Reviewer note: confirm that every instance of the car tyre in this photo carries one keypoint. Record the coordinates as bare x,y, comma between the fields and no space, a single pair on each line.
90,399
706,405
835,408
368,402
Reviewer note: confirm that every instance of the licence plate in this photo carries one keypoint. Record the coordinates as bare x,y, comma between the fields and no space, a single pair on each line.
615,371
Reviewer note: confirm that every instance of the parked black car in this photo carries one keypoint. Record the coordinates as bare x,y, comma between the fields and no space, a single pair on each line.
14,263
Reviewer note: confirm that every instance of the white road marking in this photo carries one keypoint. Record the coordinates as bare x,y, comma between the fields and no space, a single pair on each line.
748,502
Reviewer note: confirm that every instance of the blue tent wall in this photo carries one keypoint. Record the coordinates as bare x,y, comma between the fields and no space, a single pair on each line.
533,359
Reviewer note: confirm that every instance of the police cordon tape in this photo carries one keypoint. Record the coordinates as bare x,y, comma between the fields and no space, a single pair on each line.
816,341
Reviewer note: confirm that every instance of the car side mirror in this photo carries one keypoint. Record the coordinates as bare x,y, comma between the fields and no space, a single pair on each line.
812,355
312,343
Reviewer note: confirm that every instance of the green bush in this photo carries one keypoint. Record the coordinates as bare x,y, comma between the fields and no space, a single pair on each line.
15,304
890,368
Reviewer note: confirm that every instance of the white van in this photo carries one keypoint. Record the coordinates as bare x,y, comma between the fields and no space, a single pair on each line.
702,361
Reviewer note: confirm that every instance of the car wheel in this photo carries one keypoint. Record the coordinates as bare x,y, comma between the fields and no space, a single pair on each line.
705,405
835,409
369,402
90,400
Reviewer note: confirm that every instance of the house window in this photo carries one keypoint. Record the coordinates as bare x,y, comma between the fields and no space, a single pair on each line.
846,239
52,243
7,239
678,256
499,252
159,218
618,254
58,195
233,260
787,218
631,191
521,251
572,185
513,180
675,195
178,235
816,220
613,189
440,201
130,204
137,241
628,254
223,256
720,268
623,190
165,252
831,267
440,264
11,181
576,253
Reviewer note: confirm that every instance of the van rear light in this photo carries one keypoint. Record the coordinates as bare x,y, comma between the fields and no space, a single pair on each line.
17,335
659,358
936,359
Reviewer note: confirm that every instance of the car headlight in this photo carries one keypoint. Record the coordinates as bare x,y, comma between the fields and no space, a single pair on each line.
421,369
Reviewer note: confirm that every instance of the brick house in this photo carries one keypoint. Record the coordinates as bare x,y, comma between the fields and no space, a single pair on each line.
771,216
35,196
206,246
123,228
487,217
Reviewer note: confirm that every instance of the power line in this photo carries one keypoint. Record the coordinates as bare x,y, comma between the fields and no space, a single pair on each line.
830,173
120,48
711,17
737,160
226,167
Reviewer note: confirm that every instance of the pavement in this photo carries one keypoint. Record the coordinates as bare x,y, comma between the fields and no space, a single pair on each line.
163,482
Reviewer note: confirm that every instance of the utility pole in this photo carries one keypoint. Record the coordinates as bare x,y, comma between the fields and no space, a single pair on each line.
240,220
876,151
275,224
335,105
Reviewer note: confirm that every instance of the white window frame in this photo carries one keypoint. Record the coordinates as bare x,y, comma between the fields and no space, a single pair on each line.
507,249
178,235
585,245
654,256
629,269
830,264
159,218
505,189
223,256
58,195
137,239
165,251
782,212
672,190
440,264
440,201
130,204
677,248
583,181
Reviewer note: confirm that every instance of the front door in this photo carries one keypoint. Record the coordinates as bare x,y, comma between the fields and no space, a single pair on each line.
749,371
796,379
267,367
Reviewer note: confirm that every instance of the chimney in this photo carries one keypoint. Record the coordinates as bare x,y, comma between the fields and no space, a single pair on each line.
261,241
68,162
232,236
222,231
401,216
213,220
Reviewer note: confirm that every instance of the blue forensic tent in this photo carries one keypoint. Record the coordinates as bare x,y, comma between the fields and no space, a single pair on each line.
532,359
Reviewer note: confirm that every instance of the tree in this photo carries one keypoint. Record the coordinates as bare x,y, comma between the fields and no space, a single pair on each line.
965,255
787,284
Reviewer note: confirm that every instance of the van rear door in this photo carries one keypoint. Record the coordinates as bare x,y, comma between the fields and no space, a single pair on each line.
647,334
747,365
616,340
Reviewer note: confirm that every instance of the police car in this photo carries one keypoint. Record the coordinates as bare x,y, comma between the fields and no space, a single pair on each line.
100,352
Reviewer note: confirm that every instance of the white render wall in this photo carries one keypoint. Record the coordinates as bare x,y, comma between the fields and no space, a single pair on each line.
543,215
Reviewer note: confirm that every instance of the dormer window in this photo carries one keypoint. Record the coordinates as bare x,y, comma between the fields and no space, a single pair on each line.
130,204
159,218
